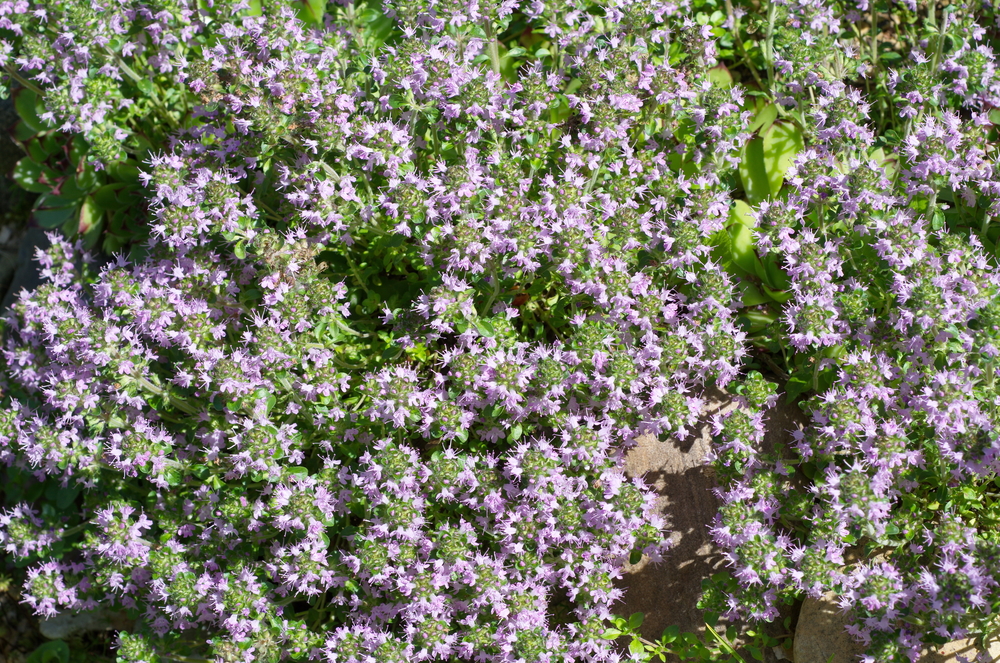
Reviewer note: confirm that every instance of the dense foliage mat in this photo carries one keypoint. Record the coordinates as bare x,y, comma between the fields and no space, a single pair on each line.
396,285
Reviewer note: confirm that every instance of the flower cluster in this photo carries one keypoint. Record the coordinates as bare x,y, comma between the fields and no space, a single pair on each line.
418,274
366,393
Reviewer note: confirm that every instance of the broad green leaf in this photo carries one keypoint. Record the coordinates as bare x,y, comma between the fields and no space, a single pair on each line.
173,476
764,119
22,131
777,295
781,142
751,296
742,213
485,328
65,497
26,104
31,177
71,191
722,252
87,177
93,234
795,387
125,171
55,651
635,647
90,214
773,275
53,218
756,321
311,11
635,621
36,151
107,196
255,8
720,77
753,172
611,634
742,247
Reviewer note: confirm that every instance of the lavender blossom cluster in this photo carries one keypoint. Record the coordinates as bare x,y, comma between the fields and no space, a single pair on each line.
897,309
410,292
260,477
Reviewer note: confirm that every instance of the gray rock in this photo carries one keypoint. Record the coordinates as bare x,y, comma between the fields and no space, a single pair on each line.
8,265
668,593
64,625
820,636
966,649
26,275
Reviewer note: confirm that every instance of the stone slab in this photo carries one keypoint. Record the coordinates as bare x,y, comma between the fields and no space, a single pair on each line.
668,593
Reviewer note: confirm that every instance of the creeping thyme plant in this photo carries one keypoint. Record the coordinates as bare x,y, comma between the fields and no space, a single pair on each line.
397,284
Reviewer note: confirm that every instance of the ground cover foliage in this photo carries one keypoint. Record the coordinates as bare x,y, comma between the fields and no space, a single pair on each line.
397,284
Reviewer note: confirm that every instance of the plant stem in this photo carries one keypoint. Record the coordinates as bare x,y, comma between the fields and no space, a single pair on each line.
725,643
769,45
491,45
739,44
160,391
23,81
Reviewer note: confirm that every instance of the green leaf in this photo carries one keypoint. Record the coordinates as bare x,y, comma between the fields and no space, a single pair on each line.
173,476
764,119
311,11
23,132
53,218
87,178
743,248
771,273
90,215
30,176
125,171
778,296
722,252
65,497
635,648
751,296
742,213
485,328
781,142
26,105
753,172
670,634
635,620
36,151
55,651
611,634
107,196
794,387
720,77
515,433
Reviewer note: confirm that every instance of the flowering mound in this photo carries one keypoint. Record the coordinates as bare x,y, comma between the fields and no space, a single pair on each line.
397,286
436,477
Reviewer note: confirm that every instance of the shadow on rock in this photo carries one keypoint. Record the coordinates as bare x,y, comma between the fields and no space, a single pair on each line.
668,593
